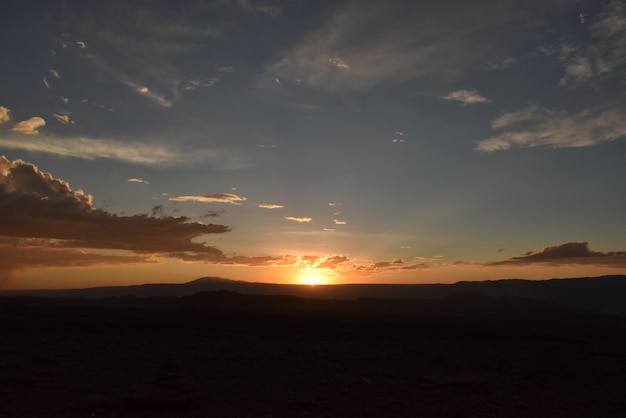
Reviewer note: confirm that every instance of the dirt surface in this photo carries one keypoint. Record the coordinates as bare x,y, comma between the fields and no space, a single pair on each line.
113,362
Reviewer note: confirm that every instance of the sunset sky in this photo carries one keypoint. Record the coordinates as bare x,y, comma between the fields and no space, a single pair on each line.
311,141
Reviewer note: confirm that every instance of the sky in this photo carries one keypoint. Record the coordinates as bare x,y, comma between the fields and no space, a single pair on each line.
311,141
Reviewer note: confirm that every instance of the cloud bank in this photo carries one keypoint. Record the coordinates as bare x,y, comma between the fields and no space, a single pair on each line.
35,205
571,253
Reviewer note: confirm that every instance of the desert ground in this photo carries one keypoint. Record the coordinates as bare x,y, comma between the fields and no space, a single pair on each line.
124,361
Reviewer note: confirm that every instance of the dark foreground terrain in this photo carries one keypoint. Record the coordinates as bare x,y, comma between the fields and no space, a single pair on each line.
223,354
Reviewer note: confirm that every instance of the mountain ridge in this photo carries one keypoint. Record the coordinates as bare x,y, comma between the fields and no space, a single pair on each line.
605,294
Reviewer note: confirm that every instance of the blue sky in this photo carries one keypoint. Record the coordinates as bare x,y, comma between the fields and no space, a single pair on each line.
396,141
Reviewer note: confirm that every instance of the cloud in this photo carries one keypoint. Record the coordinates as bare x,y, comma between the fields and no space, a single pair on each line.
193,83
47,224
159,99
233,199
466,97
5,114
578,70
46,83
298,219
571,253
29,126
271,8
270,206
398,140
148,44
20,253
212,213
138,180
54,72
540,127
320,262
339,222
393,265
34,204
391,42
64,119
604,53
339,63
127,151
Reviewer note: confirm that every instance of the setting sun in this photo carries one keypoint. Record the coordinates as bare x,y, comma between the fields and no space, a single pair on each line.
313,277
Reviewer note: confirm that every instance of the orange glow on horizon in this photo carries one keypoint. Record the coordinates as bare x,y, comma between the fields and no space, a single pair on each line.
313,277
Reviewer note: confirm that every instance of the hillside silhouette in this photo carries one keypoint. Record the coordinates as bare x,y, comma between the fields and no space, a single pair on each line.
216,347
602,294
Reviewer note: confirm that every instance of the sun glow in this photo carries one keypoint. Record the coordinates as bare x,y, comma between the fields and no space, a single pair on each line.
313,277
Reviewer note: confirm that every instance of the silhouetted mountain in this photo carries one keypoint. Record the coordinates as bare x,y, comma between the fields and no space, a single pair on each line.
604,294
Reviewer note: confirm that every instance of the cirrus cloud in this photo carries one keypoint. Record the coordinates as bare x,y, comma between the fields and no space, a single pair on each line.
298,219
270,206
540,127
233,199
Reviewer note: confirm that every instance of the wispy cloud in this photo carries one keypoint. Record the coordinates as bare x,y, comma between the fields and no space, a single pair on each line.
63,118
571,253
29,126
143,46
138,180
340,222
298,219
466,97
270,206
393,265
604,52
127,151
540,127
339,63
196,83
269,7
359,48
233,199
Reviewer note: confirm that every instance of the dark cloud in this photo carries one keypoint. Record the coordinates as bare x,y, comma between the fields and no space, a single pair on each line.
213,213
19,253
157,210
571,253
34,204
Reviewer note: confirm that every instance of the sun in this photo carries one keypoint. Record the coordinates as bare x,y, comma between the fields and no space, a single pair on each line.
313,277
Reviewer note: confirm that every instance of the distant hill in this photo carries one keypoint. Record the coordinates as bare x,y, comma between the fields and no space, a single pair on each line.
605,294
